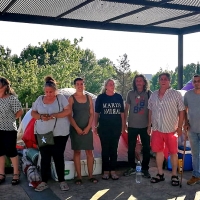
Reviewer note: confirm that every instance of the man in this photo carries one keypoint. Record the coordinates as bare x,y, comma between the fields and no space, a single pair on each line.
136,105
166,115
192,104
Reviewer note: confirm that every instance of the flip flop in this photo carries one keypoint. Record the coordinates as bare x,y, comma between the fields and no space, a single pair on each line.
105,176
114,176
78,182
93,180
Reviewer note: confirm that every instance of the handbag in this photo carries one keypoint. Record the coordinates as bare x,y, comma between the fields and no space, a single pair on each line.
47,138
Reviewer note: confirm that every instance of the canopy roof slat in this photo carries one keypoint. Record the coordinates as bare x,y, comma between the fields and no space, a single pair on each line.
149,16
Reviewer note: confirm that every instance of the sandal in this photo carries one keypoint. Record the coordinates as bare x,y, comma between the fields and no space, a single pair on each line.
114,176
93,180
158,178
2,180
175,181
78,182
42,186
105,176
15,181
64,186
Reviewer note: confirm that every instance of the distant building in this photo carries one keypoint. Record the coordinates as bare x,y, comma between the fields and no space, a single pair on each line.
148,76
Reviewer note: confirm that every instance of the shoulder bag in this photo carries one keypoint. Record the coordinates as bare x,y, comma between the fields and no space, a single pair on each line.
47,138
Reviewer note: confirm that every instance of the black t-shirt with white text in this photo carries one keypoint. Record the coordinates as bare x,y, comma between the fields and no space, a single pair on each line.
109,108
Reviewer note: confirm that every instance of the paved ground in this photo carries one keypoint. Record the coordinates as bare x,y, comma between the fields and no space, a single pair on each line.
123,189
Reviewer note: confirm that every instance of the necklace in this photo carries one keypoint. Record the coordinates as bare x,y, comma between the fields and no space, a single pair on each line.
138,94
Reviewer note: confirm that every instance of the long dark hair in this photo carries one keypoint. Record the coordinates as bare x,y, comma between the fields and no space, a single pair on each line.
146,86
6,82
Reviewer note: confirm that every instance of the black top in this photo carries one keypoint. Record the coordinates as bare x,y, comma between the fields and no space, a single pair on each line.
109,107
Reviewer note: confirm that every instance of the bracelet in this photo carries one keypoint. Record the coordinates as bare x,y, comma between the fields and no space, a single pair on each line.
96,127
179,127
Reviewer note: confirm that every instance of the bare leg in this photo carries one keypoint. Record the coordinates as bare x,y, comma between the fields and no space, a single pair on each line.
15,163
90,162
159,162
2,165
174,161
77,163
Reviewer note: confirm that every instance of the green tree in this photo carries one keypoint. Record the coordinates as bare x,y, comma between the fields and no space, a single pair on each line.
124,76
94,71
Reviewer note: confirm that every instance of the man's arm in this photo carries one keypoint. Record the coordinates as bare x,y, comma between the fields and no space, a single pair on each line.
149,122
127,106
181,116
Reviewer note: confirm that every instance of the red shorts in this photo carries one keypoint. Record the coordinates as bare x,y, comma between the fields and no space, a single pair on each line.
159,140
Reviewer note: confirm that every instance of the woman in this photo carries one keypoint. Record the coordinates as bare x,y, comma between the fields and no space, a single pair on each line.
50,111
109,119
80,132
10,110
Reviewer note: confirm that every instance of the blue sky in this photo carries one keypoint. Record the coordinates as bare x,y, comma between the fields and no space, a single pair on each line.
146,52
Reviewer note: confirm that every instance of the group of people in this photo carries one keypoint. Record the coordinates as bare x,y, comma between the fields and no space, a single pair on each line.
160,115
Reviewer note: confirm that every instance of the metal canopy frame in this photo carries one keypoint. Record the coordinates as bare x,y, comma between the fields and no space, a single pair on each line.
176,17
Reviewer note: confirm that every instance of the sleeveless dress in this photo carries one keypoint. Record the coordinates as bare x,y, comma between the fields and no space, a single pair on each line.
81,115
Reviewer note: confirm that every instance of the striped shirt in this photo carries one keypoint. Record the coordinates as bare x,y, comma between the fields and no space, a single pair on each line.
165,111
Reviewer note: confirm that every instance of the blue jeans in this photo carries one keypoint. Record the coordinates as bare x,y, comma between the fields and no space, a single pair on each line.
195,147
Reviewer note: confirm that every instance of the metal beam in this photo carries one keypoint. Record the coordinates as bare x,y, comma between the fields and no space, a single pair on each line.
125,15
8,7
73,9
172,19
190,29
180,61
133,12
152,4
86,24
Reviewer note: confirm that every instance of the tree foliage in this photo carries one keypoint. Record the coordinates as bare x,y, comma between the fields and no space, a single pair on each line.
124,76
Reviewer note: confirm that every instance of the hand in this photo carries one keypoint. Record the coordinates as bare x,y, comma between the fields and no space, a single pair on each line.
186,127
44,117
95,131
86,130
53,116
79,131
149,130
179,131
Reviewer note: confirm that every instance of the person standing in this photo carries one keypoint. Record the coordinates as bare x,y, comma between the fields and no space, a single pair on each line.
137,112
166,114
10,110
109,119
51,111
192,119
81,134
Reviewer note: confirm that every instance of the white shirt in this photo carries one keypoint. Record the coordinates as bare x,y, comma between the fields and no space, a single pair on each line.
165,111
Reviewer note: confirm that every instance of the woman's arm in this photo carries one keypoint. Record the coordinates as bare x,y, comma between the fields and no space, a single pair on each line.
66,111
86,130
18,114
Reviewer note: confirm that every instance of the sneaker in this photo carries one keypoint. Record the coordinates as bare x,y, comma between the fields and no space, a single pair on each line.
42,186
146,174
193,180
64,186
129,172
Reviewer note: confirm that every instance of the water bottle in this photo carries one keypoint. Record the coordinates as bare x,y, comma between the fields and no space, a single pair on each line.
138,173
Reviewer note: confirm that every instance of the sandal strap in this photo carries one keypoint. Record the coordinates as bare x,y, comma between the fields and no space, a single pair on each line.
161,176
176,177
